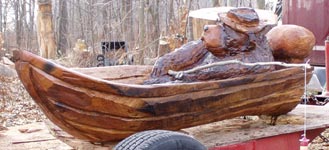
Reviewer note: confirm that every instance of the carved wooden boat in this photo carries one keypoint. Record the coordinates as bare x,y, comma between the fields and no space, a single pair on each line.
108,104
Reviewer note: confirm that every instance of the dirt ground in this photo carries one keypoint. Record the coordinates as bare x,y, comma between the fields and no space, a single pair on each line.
17,109
16,105
34,136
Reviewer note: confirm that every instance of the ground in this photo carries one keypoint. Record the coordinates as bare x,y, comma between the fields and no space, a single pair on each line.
17,107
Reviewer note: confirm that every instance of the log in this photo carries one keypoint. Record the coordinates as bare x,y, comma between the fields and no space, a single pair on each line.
46,36
204,16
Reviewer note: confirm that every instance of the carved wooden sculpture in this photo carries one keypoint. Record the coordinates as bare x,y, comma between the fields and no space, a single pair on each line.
290,43
240,35
46,36
110,103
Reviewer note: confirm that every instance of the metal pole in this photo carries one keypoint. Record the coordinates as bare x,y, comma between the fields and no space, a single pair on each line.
327,65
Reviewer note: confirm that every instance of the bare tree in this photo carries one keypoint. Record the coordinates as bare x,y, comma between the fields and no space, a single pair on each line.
139,23
170,14
1,27
105,19
215,3
18,22
261,4
80,20
29,21
141,32
63,27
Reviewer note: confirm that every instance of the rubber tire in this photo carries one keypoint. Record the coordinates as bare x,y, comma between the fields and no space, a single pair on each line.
159,140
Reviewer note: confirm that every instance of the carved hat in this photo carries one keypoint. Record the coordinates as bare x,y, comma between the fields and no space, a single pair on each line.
242,19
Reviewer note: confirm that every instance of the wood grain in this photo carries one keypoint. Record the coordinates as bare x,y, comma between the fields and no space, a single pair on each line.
98,110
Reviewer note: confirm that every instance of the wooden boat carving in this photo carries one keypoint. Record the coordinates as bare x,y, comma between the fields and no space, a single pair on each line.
109,103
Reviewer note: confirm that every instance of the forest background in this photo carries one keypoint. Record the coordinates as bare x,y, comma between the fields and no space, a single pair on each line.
142,24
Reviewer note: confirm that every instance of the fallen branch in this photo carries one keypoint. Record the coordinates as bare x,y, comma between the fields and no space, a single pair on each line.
32,141
180,74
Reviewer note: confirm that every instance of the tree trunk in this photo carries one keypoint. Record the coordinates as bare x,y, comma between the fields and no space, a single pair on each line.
63,25
1,29
188,27
170,14
18,23
91,21
215,3
106,21
141,33
23,19
261,4
82,31
46,37
127,21
30,25
5,14
233,3
155,27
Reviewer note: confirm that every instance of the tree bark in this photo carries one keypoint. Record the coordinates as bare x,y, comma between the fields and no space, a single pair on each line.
46,37
141,32
171,13
63,26
18,23
30,25
127,21
1,29
91,21
105,21
215,3
261,4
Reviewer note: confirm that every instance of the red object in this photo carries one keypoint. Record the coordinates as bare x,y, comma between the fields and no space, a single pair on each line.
313,15
304,141
280,142
327,66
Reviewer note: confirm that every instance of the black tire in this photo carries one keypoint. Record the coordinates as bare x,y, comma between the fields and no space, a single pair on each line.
101,64
100,57
159,140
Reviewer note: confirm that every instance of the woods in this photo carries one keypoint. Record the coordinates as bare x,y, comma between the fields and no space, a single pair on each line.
142,24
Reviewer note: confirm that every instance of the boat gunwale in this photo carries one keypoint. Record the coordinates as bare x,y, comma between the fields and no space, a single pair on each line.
133,90
145,102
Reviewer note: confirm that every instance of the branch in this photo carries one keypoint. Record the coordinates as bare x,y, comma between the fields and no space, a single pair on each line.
180,74
31,141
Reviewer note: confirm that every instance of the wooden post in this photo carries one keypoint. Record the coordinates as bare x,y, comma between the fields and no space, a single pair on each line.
46,36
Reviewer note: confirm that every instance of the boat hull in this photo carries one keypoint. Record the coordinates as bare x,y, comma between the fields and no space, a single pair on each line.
111,107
